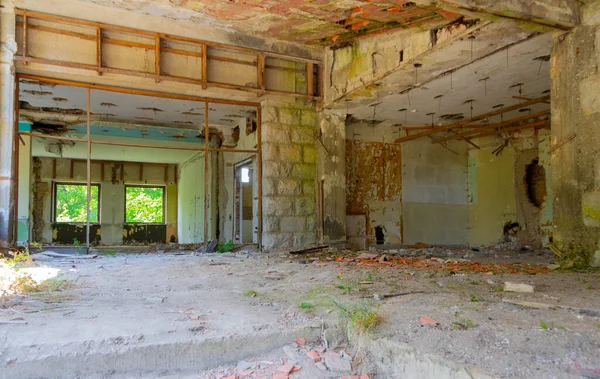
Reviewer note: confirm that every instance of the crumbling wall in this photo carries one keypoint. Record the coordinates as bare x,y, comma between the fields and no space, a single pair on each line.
374,187
289,153
575,105
331,168
434,193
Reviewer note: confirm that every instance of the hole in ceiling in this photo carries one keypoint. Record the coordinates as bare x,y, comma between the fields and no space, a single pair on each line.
498,106
543,58
150,109
108,105
37,93
525,110
452,116
192,114
59,99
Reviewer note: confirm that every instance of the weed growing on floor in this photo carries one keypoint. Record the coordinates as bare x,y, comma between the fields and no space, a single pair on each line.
110,253
463,324
305,305
250,293
224,247
543,325
76,242
477,299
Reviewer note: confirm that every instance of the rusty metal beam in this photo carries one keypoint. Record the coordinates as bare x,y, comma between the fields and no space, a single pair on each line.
536,124
491,126
466,122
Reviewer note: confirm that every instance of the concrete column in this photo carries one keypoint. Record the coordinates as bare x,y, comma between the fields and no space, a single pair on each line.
289,151
576,139
331,168
7,89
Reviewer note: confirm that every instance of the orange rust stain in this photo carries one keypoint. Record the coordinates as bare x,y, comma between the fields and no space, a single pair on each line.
374,172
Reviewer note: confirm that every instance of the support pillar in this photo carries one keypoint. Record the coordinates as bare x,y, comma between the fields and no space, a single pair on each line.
575,150
7,127
331,170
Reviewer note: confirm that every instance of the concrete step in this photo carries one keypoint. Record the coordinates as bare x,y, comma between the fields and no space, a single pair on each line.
105,359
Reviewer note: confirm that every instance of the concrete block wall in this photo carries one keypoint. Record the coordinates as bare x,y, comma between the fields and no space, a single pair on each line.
576,164
289,151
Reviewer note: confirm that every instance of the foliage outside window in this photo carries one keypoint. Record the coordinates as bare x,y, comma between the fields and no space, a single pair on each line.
144,205
71,203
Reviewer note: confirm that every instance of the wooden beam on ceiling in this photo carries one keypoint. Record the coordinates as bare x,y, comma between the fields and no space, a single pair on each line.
492,126
461,124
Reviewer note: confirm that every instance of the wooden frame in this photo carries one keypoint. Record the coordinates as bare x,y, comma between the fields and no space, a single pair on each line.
207,149
157,75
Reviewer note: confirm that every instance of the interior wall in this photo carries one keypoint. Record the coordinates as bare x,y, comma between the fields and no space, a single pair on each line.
491,194
434,193
191,200
374,187
47,170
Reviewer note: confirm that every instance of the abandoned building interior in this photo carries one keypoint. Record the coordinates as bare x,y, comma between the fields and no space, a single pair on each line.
297,126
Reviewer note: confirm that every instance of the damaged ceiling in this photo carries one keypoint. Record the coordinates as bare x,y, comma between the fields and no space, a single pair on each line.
112,112
315,22
475,75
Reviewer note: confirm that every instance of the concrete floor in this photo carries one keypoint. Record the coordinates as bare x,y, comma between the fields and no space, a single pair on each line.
168,315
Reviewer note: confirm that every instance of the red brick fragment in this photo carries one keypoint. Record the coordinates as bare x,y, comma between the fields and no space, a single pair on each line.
314,356
286,368
301,341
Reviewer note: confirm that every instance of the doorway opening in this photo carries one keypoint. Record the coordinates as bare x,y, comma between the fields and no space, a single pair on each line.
245,220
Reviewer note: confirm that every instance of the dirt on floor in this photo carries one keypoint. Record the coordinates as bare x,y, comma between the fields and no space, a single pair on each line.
250,307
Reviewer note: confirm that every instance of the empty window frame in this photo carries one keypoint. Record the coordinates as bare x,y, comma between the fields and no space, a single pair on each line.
144,205
70,203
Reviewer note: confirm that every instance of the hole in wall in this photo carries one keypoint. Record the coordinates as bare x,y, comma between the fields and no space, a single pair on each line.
535,180
379,236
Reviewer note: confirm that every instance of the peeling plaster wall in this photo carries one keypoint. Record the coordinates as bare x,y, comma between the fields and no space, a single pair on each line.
331,170
434,193
576,164
374,187
112,195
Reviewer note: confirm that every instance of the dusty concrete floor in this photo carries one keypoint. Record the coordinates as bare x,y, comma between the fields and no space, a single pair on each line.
167,315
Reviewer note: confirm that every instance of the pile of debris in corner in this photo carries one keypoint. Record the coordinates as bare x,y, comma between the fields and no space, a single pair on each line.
417,259
298,360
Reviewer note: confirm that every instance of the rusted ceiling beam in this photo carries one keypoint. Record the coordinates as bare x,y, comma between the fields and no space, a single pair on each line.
429,127
536,124
500,125
477,118
528,98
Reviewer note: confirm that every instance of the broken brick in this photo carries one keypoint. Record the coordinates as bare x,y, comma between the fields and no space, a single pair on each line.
286,368
301,341
314,356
